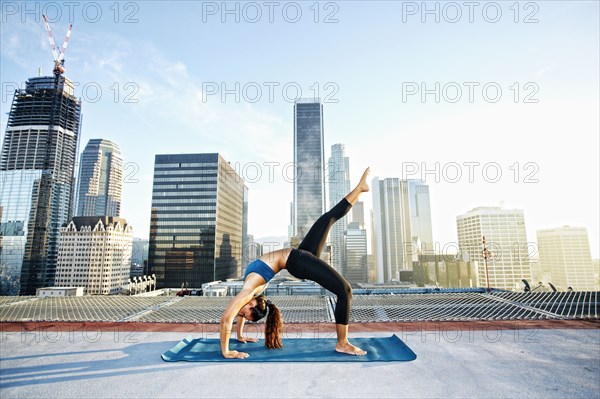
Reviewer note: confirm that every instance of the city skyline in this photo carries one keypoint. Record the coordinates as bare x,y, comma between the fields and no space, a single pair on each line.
460,146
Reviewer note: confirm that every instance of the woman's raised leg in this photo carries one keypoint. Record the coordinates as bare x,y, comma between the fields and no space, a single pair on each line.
317,235
360,188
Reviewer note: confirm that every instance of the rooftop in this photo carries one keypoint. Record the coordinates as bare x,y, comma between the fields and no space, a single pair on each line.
468,344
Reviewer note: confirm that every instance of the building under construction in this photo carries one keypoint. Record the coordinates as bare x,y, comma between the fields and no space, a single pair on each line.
36,174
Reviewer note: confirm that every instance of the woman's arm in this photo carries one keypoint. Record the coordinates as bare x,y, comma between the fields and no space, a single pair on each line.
227,321
240,331
232,310
253,285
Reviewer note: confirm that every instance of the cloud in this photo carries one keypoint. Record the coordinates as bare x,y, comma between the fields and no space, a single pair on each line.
169,95
18,45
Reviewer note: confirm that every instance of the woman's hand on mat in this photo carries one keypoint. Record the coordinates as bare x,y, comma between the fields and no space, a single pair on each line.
235,355
247,339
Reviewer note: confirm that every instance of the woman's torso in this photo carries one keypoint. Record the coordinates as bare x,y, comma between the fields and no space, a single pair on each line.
274,260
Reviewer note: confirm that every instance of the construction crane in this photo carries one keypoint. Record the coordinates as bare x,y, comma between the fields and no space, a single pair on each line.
59,59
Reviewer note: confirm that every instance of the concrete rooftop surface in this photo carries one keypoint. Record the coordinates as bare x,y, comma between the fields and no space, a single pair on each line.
469,361
468,345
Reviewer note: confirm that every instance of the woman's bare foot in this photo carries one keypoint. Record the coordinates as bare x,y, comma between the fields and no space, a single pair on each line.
349,349
364,186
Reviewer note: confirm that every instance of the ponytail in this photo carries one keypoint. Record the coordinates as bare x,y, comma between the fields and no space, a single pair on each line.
274,323
273,327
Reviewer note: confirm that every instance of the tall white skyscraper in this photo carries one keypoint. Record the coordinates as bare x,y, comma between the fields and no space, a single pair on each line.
338,176
309,162
565,256
506,241
95,253
401,225
100,182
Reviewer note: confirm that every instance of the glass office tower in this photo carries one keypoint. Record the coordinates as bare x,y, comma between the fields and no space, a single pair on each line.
100,179
197,220
36,172
309,160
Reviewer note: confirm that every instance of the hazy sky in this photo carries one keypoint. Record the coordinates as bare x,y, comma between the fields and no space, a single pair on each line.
495,102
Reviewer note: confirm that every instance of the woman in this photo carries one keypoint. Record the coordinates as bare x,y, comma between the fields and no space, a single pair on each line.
303,263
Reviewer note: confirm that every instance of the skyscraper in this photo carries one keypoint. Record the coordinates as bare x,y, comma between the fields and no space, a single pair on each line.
420,216
37,172
506,241
95,253
358,213
100,179
309,161
565,255
355,250
196,221
401,225
338,176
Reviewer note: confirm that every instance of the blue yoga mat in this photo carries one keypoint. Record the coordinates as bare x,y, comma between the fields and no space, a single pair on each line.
389,349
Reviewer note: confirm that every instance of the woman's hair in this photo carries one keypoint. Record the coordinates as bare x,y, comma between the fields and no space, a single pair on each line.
274,323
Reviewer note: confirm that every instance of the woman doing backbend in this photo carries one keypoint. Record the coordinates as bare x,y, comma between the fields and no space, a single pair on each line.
303,263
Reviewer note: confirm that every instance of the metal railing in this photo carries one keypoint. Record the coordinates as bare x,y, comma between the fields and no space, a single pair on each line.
465,306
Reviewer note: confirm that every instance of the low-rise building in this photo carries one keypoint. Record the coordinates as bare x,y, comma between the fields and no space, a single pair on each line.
95,253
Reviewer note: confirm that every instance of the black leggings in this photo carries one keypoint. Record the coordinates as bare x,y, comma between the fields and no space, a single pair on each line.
304,262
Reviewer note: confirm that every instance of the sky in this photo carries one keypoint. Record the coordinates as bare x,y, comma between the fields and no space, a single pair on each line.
490,103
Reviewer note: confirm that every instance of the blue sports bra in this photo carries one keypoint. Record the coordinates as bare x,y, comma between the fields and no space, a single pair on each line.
260,267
